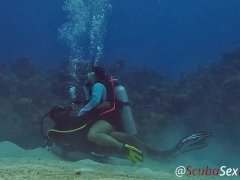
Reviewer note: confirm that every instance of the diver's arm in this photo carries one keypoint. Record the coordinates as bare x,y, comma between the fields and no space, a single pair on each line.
97,93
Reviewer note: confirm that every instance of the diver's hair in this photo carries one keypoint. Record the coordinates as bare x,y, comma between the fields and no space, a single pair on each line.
56,113
100,73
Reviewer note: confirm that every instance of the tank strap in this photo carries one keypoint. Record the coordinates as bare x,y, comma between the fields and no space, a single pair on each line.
121,104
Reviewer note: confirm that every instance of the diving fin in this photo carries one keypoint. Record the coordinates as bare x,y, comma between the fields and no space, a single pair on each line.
193,142
134,154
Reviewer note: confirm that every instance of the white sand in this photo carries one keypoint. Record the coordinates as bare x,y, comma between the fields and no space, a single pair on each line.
39,164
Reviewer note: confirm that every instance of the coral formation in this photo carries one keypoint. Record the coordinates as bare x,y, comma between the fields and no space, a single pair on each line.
205,97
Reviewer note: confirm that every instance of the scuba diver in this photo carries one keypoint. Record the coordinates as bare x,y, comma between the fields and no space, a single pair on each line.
105,124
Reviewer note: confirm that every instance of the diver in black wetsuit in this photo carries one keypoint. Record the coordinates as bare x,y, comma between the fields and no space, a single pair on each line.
102,113
69,138
105,130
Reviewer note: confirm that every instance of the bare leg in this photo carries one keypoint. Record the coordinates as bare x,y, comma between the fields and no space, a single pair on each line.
99,134
148,150
195,141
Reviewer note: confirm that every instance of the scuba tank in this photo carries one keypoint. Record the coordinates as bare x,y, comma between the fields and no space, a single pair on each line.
126,114
118,98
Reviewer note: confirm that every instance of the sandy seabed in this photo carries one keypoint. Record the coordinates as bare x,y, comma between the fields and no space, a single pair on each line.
24,168
39,164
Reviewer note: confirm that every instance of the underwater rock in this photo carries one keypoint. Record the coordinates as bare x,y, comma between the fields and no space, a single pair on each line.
210,94
4,84
232,84
180,103
24,101
24,69
156,117
23,107
231,90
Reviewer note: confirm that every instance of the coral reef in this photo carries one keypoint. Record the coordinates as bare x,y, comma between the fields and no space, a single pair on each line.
201,99
213,95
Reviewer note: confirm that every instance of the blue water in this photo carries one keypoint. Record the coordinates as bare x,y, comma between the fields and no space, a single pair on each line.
168,35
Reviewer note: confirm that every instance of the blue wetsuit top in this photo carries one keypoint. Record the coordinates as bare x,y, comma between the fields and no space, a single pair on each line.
99,94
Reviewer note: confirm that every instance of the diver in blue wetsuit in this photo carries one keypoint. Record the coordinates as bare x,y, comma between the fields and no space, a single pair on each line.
99,94
107,122
105,127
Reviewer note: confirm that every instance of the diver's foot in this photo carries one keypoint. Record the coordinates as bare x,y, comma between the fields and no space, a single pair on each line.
134,154
193,142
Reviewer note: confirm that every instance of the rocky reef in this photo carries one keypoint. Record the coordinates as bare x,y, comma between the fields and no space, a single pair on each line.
207,98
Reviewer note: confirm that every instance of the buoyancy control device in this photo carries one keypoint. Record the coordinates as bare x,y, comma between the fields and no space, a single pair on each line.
118,98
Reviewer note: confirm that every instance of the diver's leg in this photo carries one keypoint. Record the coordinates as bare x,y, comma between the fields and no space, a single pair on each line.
189,143
148,151
99,134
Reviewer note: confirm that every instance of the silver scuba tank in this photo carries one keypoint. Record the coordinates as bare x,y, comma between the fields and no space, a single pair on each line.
128,121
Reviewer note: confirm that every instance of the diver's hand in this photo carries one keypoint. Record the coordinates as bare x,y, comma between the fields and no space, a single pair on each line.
73,114
134,154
